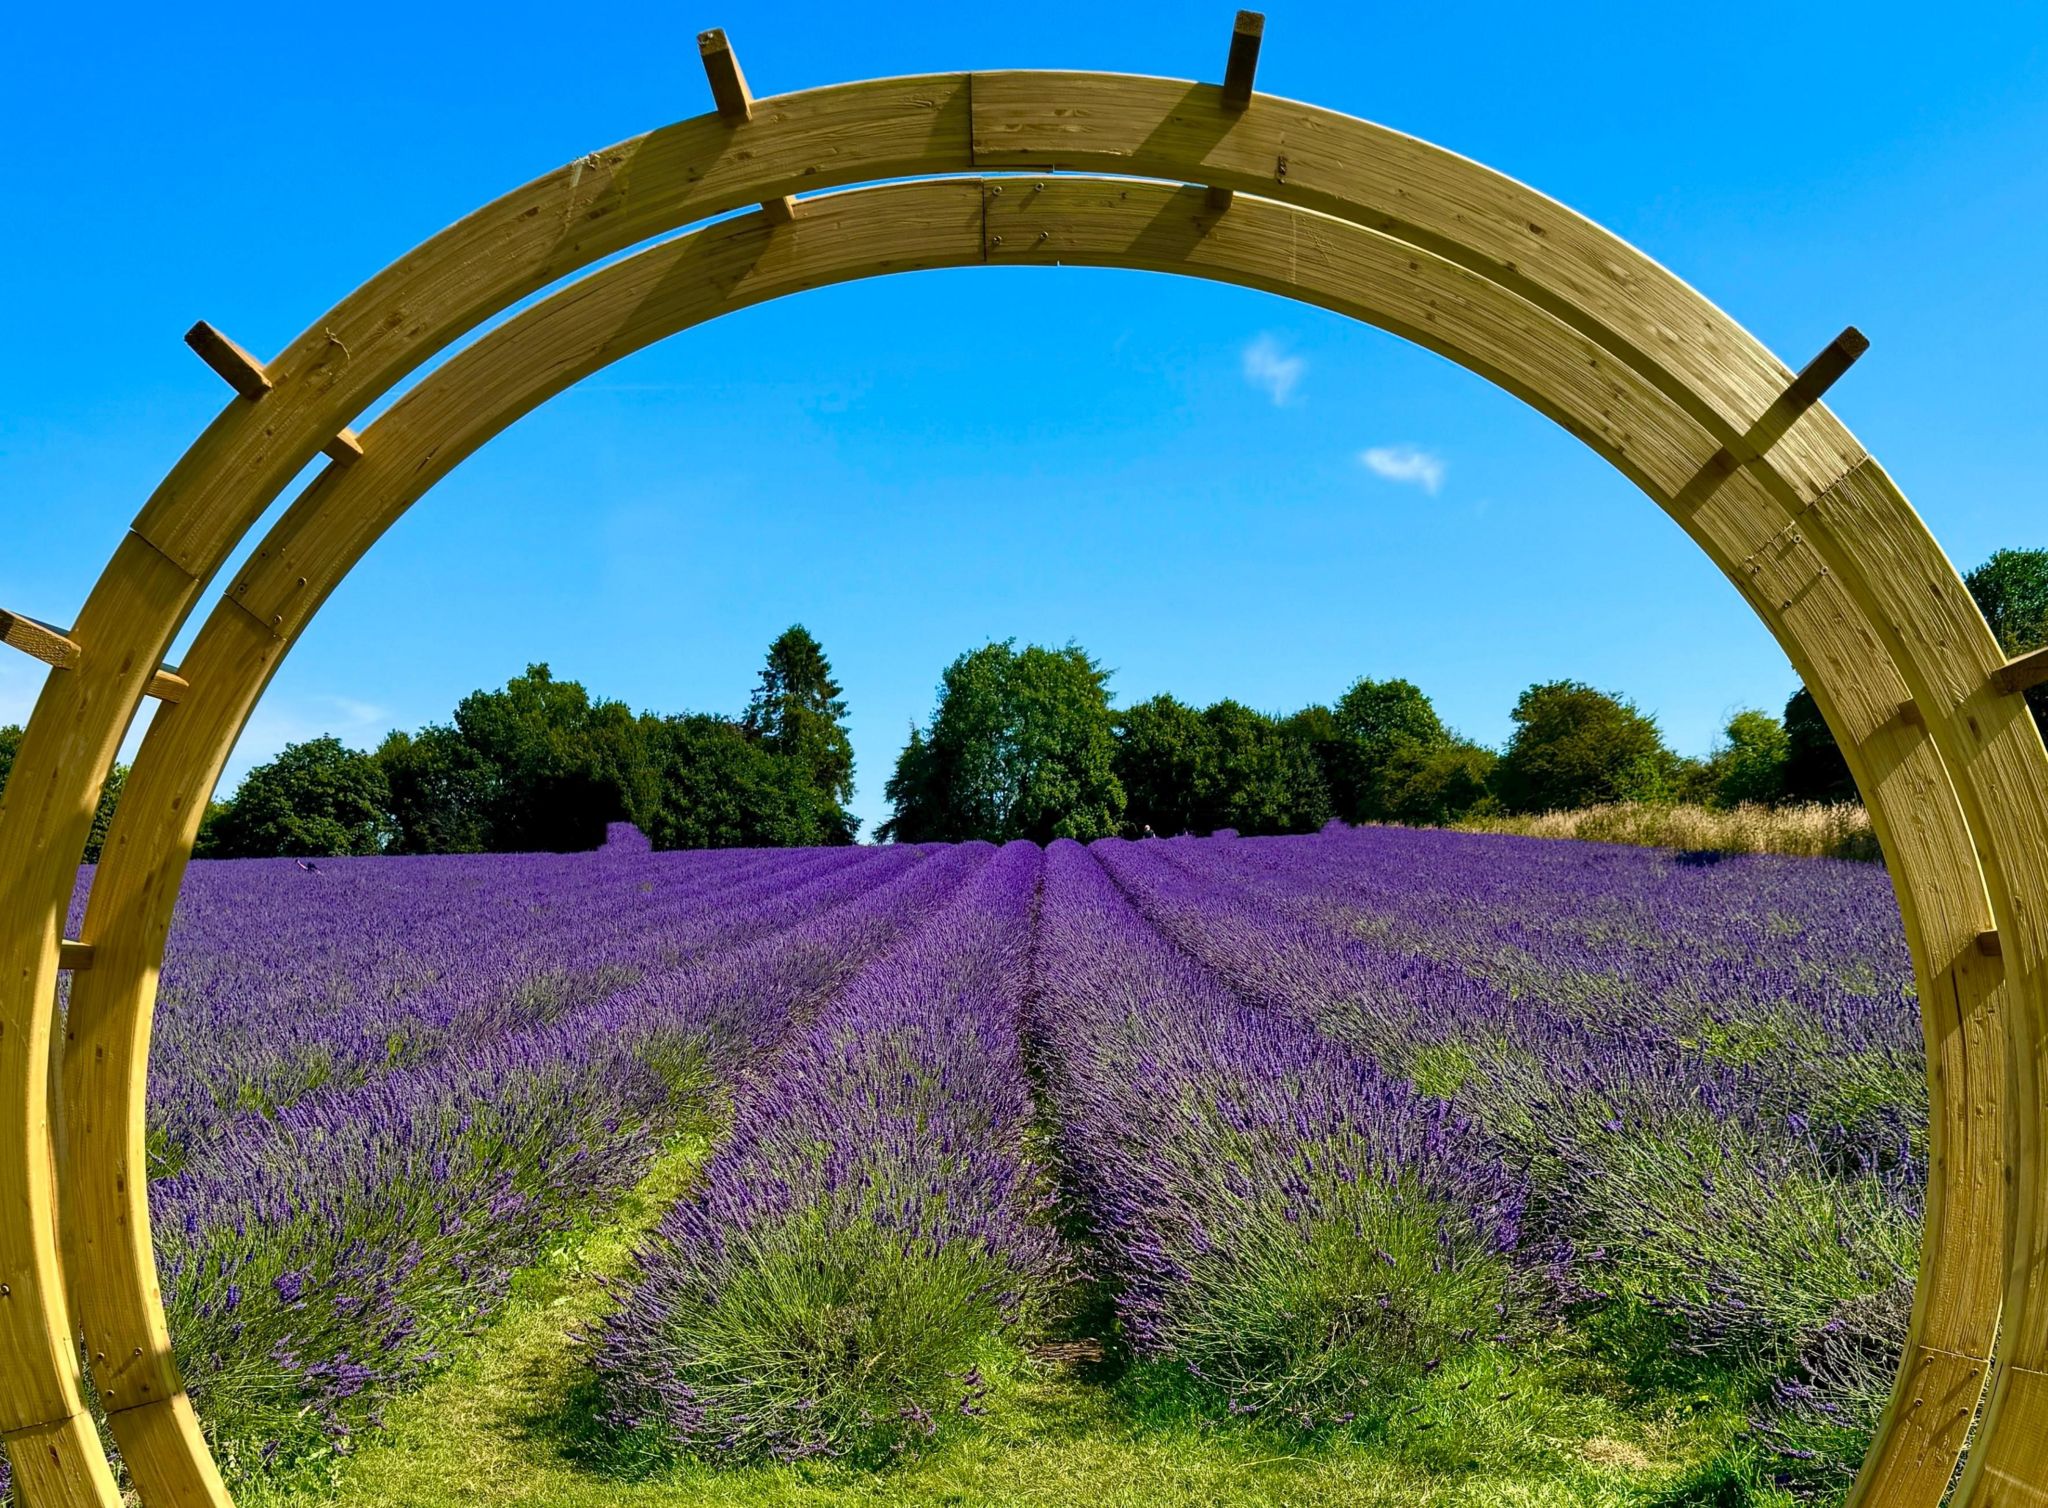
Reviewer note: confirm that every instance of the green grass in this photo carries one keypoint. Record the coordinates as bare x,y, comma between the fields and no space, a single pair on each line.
505,1425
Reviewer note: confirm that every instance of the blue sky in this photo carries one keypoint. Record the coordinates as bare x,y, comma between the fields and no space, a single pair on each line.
1216,492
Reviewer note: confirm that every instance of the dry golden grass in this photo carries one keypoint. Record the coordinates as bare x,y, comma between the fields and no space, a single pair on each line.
1828,830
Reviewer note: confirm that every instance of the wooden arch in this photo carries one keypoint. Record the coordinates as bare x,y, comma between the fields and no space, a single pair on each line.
1288,198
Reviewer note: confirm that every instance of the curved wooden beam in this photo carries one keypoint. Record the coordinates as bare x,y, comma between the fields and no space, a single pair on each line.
1558,311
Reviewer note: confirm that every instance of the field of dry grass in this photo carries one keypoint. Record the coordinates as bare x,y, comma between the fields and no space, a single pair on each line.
1839,830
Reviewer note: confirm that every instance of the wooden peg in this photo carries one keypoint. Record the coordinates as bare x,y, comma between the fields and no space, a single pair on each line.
779,211
168,686
1989,945
237,368
1243,65
1909,714
1820,374
75,956
345,449
1800,394
728,85
39,640
1218,199
2024,672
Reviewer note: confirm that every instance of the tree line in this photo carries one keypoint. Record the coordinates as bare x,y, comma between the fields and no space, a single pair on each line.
1022,743
541,764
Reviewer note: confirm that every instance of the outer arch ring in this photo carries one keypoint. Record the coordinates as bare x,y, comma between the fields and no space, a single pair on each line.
1814,535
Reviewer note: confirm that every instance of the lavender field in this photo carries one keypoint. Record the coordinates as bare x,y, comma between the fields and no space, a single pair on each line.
1397,1155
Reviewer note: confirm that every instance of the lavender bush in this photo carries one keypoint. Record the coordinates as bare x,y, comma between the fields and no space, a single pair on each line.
1283,1218
873,1234
317,1257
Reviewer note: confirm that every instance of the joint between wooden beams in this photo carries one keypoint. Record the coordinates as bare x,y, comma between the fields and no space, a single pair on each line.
75,956
39,640
235,366
729,90
1988,943
1242,66
268,625
2024,672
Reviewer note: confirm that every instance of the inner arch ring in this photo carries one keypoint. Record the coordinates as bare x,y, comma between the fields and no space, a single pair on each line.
1813,534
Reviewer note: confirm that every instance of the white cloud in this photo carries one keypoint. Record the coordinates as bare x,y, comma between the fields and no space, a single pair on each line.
355,711
1406,464
1267,366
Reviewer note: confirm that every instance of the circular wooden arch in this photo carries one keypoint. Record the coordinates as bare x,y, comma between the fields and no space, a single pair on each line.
1287,198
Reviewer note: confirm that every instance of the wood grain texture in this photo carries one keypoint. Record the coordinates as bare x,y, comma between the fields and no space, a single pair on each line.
61,1465
1327,209
38,640
46,811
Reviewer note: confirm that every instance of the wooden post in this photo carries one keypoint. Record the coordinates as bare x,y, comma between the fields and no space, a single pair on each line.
735,101
235,366
2024,672
1243,64
39,640
1239,71
167,685
722,67
345,449
1821,373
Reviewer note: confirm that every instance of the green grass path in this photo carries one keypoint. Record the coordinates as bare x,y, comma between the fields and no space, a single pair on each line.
490,1432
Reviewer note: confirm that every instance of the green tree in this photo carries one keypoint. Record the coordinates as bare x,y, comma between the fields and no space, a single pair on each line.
561,766
1315,729
1574,746
1750,764
1374,717
1432,784
917,802
317,798
2011,590
715,786
441,791
1253,777
1160,748
797,712
103,812
1021,745
1814,767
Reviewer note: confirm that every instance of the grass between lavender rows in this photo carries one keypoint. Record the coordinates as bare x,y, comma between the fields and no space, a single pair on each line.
507,1425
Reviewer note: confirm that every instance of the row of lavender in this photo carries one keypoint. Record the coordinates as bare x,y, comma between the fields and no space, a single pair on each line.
373,1108
1314,1113
1324,1111
1711,1073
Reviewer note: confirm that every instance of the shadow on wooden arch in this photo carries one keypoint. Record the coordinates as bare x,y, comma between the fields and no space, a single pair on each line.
1283,197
